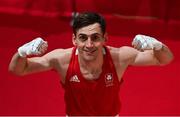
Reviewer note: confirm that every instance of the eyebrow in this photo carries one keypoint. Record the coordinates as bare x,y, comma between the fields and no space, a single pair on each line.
91,34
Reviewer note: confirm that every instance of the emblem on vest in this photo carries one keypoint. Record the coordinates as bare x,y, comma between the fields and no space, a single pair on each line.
109,79
74,79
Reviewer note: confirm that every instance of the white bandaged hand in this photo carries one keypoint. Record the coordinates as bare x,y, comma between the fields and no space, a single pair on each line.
36,47
143,42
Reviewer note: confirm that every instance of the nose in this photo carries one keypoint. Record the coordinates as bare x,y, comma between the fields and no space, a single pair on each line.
89,43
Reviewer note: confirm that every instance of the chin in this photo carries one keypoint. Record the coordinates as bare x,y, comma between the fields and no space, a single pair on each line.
89,58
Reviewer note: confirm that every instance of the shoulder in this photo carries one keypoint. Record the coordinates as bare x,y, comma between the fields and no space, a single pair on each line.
61,51
124,50
123,54
60,55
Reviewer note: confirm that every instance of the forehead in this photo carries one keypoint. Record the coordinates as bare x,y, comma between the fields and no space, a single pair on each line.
90,29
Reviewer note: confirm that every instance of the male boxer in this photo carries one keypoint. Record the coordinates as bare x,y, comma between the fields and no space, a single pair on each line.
90,71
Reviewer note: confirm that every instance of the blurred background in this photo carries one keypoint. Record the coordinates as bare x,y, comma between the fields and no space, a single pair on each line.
145,90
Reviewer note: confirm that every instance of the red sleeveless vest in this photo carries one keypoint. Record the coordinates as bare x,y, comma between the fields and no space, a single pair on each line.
92,97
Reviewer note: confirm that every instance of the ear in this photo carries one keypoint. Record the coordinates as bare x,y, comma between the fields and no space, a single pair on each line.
105,38
74,40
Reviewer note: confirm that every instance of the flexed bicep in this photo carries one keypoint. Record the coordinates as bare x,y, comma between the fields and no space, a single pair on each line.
145,58
37,64
132,56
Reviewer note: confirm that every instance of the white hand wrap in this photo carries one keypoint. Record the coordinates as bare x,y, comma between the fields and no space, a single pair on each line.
143,42
36,47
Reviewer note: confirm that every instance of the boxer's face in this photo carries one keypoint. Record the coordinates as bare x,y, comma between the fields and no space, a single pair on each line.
89,41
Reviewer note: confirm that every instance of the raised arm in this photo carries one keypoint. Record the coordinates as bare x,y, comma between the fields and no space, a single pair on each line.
147,51
21,64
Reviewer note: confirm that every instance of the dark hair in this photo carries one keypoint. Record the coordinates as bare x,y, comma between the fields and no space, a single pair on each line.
88,18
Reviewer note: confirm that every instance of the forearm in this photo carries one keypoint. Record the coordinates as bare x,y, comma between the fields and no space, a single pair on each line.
17,64
164,55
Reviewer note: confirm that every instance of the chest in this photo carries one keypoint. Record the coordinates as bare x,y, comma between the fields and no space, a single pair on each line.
90,84
93,75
